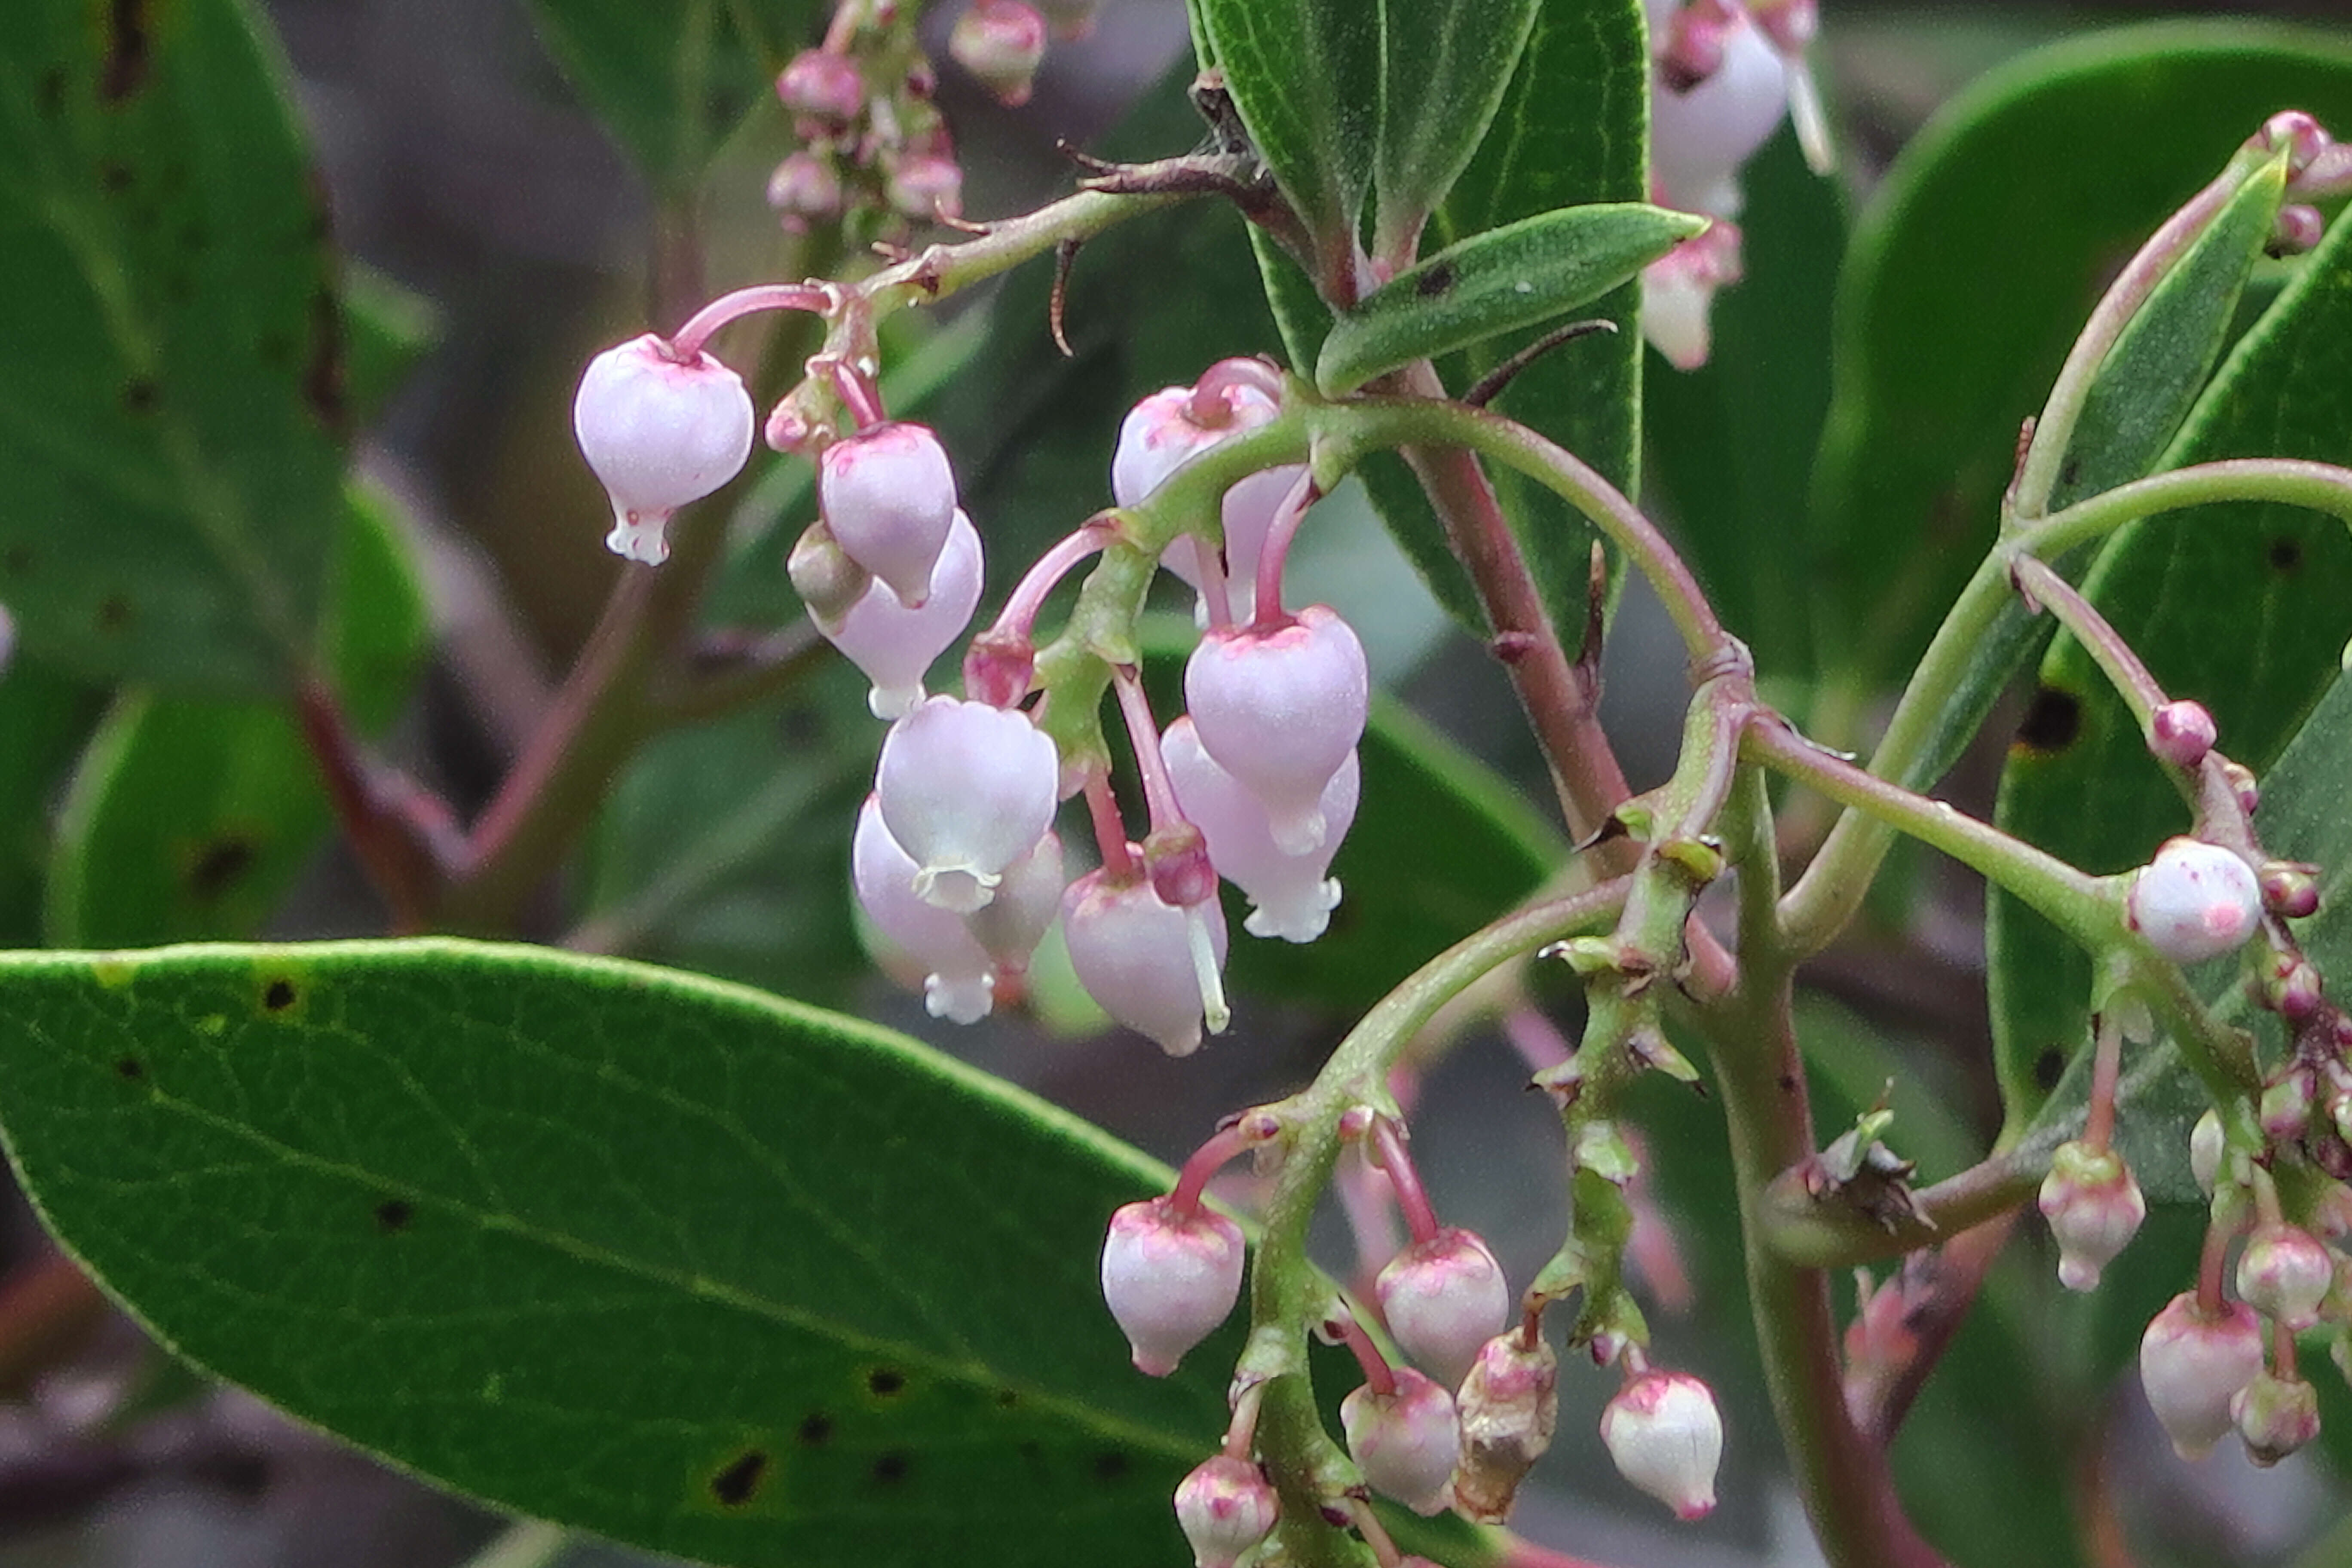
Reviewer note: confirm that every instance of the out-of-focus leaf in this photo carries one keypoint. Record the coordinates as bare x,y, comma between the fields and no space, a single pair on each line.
1506,280
1974,271
670,1261
671,78
1305,77
1731,444
2245,608
190,819
173,400
1444,71
391,328
45,718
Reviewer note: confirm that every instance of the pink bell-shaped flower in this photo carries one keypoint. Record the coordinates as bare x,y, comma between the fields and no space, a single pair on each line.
1150,965
2285,1273
1225,1507
2094,1207
888,495
1665,1433
1012,924
659,432
822,86
2194,902
1292,895
967,789
955,968
2192,1365
1282,710
1000,42
1159,435
1700,138
1170,1277
1444,1300
894,645
1406,1443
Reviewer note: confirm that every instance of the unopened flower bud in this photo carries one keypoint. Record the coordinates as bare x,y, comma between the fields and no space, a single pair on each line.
659,432
2290,988
822,86
2094,1208
889,498
2206,1145
968,789
2276,1417
2300,132
1665,1433
1406,1443
2285,1110
2290,889
2181,732
823,575
1292,894
2194,902
2296,230
1225,1507
927,186
1001,43
1169,1277
1509,1407
2192,1365
1445,1299
2243,784
895,645
953,968
1136,955
805,188
1281,712
1176,857
998,667
2284,1274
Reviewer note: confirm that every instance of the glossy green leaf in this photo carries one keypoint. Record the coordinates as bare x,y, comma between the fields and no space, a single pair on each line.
680,1263
189,820
1305,78
1444,71
1972,273
1507,280
672,78
1573,127
1731,444
173,400
2245,608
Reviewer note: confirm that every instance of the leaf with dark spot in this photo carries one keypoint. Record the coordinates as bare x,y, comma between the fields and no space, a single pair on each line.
734,1485
124,69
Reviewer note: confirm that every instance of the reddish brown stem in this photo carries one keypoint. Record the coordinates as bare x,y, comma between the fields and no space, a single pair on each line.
401,834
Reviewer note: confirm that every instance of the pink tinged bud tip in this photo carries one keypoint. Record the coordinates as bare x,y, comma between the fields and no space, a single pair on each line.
1406,1443
1700,138
2285,1273
927,186
1293,895
2181,732
804,188
1169,1277
968,790
2192,1365
1150,965
2094,1207
954,968
895,645
1225,1508
2276,1417
659,433
1443,1299
1281,712
1666,1437
821,86
1001,43
2194,902
888,495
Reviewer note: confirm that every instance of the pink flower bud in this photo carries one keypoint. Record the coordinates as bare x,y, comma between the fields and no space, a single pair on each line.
1406,1443
2290,889
1666,1437
2298,230
1169,1277
889,498
1138,957
894,645
1225,1508
2194,902
967,789
822,86
2181,732
1509,1407
1678,294
2094,1208
659,432
805,188
1292,894
1444,1300
2276,1417
2193,1367
1281,712
955,968
2284,1274
1000,42
1699,139
927,186
1015,921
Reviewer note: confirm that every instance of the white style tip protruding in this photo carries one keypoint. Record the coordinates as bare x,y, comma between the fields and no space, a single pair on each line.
659,432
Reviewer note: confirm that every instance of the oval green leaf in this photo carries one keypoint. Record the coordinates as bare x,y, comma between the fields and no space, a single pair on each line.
1504,281
1444,72
659,1258
1304,76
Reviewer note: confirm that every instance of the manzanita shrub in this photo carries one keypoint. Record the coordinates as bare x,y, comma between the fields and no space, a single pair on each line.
2051,439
